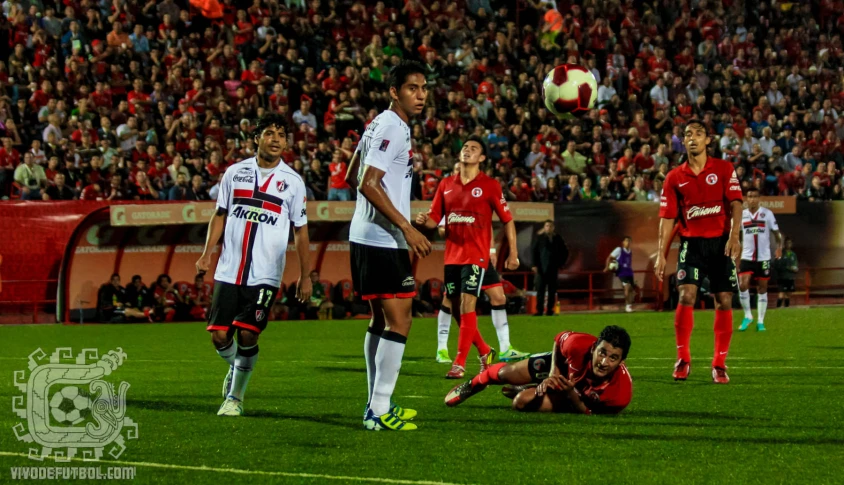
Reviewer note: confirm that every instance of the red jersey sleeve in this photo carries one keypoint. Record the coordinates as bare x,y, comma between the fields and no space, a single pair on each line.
499,204
668,201
617,395
437,210
732,187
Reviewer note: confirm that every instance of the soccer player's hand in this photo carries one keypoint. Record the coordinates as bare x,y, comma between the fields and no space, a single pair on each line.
421,218
659,266
304,287
419,244
552,383
512,262
778,253
733,249
203,263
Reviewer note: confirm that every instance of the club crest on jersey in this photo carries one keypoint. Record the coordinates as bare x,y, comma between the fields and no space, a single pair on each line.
384,145
281,185
712,179
477,192
259,315
681,275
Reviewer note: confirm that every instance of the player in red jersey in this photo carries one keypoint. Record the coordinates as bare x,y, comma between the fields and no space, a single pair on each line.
467,201
583,374
705,196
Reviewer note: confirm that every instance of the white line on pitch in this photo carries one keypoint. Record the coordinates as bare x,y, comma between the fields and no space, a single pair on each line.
239,471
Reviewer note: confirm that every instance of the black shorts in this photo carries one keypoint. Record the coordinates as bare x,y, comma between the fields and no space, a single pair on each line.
627,280
240,306
491,279
463,278
539,366
381,272
786,286
761,270
704,257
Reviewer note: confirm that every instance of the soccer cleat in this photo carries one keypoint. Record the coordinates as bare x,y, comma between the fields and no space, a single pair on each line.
442,357
744,324
719,375
682,369
231,407
511,392
461,393
227,382
456,372
487,359
760,326
628,308
512,355
388,421
402,413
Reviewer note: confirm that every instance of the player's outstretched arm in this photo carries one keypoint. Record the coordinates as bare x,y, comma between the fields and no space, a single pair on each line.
304,286
215,231
371,188
666,230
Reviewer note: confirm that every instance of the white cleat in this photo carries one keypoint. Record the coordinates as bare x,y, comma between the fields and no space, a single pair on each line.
628,309
231,407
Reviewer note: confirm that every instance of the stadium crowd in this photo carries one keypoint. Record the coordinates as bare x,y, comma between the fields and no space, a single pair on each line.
127,99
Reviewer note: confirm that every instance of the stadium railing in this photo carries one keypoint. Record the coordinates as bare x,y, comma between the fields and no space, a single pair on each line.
38,305
809,273
592,291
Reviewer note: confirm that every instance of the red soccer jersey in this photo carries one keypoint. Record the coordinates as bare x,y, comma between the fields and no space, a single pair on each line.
701,202
574,358
468,211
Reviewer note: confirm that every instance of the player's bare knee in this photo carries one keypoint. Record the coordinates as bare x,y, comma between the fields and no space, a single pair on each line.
687,298
467,303
527,401
762,287
220,338
497,299
724,301
245,338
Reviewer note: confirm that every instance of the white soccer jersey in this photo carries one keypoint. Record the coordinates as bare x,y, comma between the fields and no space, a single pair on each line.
260,210
385,145
756,230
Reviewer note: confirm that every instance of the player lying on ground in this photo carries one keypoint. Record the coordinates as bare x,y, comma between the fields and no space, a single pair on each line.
582,374
758,224
467,201
491,285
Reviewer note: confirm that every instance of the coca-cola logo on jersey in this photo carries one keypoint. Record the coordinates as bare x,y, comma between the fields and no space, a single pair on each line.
249,179
458,219
697,212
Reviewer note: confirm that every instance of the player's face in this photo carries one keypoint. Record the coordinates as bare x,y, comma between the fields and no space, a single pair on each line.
412,94
606,359
626,243
695,139
471,153
272,142
752,200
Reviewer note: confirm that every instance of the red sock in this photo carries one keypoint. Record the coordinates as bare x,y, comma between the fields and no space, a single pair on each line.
478,341
723,334
684,321
468,329
489,376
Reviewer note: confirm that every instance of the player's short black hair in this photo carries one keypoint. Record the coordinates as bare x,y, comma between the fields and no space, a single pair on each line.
479,141
136,277
752,189
268,120
627,237
113,275
696,121
405,68
617,337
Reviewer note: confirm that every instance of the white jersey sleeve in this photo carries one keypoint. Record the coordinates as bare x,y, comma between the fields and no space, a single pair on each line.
616,253
385,146
298,210
224,190
772,221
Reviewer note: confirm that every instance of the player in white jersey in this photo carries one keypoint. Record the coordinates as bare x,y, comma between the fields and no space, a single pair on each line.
258,199
758,223
381,237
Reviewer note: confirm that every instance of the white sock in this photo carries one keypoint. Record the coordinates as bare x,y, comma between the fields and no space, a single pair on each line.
244,362
443,326
387,364
502,328
744,297
761,305
370,346
228,352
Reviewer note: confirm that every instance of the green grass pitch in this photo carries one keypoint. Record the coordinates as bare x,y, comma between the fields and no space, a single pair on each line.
778,421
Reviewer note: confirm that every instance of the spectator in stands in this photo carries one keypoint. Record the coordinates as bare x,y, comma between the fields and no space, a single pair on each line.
166,297
58,190
319,304
197,191
140,299
30,178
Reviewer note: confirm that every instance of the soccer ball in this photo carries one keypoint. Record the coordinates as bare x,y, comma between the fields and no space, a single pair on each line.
613,266
569,89
66,406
